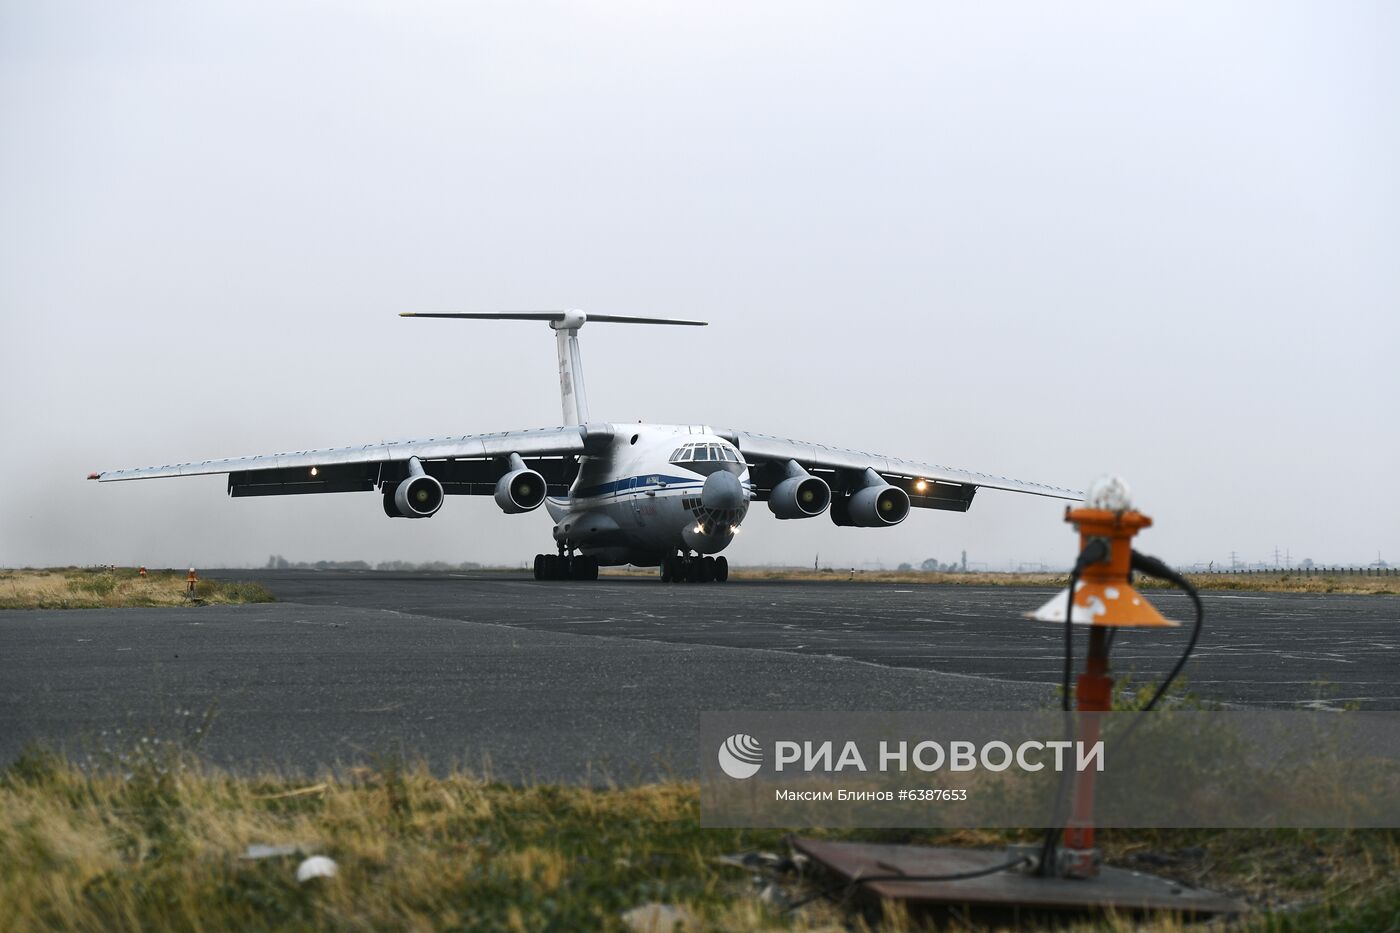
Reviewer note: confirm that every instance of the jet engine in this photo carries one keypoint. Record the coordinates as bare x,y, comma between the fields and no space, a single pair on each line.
802,496
876,504
418,496
520,491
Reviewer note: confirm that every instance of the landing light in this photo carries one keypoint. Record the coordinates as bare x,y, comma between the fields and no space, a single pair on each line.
734,529
921,485
314,471
699,529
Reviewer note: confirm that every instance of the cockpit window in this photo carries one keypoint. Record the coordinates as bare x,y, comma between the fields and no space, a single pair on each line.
708,453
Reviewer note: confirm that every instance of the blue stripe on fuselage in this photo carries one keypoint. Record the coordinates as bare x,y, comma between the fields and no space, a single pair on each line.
644,481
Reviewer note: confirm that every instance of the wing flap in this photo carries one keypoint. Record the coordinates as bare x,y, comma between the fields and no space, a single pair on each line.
343,477
349,468
943,487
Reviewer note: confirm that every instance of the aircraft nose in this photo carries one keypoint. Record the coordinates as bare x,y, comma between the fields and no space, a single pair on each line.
722,491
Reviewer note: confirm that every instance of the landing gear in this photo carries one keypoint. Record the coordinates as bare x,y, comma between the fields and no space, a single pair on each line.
687,569
565,567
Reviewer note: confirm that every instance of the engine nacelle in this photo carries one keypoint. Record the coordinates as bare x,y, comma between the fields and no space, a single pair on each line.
876,504
520,491
799,497
416,497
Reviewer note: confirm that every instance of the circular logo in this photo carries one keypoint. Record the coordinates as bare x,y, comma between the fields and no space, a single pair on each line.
740,756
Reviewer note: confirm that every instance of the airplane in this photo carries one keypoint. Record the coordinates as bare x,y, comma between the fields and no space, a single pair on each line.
671,496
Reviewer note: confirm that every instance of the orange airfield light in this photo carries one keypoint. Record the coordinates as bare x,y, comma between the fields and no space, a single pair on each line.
1104,598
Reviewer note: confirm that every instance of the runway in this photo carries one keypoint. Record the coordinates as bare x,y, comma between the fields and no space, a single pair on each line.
1256,649
603,681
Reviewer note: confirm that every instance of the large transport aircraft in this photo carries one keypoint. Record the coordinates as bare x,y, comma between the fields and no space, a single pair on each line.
653,495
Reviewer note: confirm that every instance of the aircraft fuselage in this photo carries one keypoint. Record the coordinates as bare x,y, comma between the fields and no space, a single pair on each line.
657,490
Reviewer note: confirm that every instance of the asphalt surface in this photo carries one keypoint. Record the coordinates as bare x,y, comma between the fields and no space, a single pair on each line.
1256,648
604,681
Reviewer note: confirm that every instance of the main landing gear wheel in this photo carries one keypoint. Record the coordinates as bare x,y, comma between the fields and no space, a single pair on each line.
676,569
559,567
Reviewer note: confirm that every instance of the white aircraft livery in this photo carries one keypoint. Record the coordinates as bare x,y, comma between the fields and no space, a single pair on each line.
653,495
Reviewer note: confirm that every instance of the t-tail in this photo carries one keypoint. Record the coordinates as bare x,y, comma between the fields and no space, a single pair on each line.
566,325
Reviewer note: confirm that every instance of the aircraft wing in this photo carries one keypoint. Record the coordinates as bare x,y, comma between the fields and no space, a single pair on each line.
929,485
465,465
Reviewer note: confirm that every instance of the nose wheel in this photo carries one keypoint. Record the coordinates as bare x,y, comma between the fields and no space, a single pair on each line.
565,567
686,569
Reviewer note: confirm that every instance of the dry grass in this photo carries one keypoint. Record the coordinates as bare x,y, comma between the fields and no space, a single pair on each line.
1286,582
1282,582
75,588
154,841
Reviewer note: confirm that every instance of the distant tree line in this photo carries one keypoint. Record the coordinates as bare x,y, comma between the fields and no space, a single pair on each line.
933,566
278,562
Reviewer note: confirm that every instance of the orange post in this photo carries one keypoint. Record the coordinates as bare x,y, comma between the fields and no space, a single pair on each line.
191,579
1104,599
1093,693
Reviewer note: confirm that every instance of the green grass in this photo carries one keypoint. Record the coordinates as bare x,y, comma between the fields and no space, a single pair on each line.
148,838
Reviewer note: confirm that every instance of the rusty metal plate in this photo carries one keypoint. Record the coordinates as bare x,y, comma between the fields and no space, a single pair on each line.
1114,889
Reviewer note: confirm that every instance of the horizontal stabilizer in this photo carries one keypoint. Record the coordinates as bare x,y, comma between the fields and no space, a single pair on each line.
557,316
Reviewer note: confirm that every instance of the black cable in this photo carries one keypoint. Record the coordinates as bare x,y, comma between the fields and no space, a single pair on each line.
955,876
1096,551
1069,639
1153,567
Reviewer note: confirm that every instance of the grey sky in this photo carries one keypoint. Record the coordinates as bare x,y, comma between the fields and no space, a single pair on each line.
1043,240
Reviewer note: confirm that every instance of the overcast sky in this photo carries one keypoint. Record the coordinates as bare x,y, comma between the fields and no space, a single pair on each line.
1046,240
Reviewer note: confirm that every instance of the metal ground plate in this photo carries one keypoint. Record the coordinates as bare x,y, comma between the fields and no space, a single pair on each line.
1115,889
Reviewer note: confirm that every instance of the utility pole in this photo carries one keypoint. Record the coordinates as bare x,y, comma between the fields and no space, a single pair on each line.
964,560
816,560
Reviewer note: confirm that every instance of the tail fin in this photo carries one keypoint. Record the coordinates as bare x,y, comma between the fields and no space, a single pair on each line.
566,326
